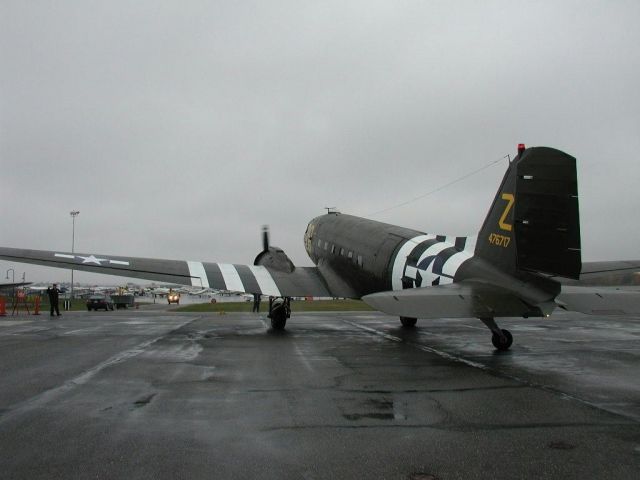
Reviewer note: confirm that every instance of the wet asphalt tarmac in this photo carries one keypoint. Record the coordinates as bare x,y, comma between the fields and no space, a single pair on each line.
160,395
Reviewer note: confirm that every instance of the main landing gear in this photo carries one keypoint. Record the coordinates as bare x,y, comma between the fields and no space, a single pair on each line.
408,322
279,311
501,338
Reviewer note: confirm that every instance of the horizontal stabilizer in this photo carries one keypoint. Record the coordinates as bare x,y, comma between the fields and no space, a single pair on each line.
456,300
600,300
612,273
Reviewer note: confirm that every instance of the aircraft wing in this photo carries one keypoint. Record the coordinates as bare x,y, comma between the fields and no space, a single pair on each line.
456,300
12,285
303,281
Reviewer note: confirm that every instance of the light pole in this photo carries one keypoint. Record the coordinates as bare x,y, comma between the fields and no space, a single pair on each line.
13,280
74,214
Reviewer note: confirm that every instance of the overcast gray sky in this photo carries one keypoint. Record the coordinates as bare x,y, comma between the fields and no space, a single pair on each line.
179,128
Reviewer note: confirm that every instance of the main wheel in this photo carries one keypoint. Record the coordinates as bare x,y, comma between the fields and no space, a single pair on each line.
278,313
278,323
408,322
502,344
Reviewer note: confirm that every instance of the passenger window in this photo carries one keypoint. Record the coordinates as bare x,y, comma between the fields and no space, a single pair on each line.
350,255
333,249
360,260
342,252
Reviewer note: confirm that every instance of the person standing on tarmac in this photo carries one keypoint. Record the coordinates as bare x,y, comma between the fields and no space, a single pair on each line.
54,293
256,302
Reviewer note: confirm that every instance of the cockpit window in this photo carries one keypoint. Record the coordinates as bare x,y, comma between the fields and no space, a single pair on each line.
308,237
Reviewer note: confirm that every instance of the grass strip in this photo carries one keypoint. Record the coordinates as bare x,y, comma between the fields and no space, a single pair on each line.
296,306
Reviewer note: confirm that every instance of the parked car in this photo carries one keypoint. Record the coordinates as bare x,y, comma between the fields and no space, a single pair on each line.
99,302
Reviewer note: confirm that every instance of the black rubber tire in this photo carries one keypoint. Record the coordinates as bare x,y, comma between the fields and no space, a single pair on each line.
499,343
278,323
408,322
278,314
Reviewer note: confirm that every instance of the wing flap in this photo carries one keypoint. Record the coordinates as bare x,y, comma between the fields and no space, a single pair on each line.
305,281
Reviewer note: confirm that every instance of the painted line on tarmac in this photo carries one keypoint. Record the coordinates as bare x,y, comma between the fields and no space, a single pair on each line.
498,373
424,348
303,357
474,327
47,396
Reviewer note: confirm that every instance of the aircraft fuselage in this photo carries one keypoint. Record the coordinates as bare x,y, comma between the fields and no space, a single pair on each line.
364,256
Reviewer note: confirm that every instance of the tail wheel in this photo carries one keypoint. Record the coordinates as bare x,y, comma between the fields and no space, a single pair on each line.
408,322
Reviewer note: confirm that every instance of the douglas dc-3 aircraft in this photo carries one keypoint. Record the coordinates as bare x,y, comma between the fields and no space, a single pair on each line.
519,265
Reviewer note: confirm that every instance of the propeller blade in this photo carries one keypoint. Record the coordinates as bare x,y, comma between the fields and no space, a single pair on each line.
265,237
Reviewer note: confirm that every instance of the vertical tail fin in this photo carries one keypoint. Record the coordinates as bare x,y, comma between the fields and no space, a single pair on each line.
533,223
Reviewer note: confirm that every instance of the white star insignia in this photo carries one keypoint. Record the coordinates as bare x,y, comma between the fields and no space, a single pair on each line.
92,259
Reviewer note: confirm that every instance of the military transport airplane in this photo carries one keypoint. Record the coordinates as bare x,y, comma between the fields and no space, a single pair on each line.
519,265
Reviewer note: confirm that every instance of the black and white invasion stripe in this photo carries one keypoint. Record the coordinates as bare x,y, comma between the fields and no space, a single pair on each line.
234,278
430,259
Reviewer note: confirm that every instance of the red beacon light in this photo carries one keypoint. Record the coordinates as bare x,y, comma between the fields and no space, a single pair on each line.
521,149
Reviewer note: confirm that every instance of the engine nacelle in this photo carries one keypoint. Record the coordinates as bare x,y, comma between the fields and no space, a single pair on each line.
275,258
